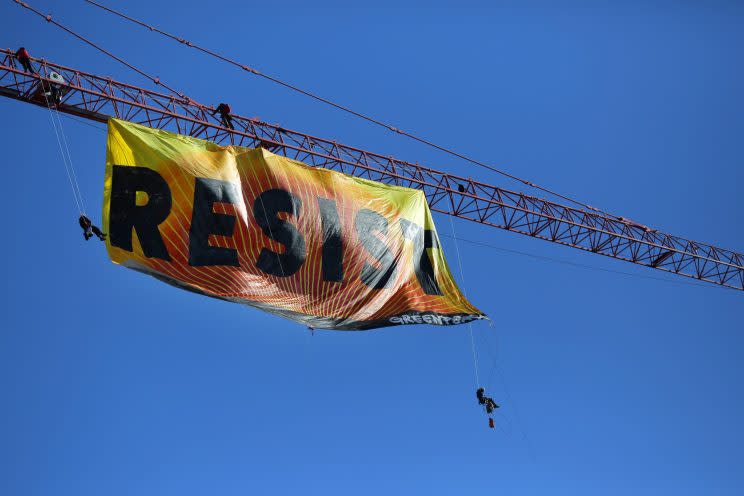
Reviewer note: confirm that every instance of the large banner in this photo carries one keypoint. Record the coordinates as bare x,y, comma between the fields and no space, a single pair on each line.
312,245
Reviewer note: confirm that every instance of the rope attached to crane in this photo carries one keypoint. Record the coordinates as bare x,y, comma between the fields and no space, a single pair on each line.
339,106
64,148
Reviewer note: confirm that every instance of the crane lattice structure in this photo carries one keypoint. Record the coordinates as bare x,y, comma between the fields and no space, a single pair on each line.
99,98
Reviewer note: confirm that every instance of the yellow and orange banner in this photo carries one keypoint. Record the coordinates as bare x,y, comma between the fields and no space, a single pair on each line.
313,245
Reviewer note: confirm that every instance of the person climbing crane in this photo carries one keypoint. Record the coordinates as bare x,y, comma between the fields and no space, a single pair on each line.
487,403
225,118
25,59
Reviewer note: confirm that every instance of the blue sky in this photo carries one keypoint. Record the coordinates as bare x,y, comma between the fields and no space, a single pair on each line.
114,383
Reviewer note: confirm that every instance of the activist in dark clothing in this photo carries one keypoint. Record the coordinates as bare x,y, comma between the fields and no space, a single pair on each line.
486,401
89,229
224,110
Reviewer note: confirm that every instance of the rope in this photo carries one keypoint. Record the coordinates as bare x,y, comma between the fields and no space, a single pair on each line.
510,399
64,162
470,324
69,169
341,107
69,158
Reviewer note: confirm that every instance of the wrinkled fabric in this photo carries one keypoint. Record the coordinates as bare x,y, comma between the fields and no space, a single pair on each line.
316,246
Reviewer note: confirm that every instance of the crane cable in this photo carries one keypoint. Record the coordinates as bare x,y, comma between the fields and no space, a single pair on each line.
343,108
154,79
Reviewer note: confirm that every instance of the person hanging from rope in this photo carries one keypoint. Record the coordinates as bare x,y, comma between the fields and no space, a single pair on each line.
488,403
89,229
224,110
25,59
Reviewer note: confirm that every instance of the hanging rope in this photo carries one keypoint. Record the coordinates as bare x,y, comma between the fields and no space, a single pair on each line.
62,138
338,106
470,324
69,158
495,365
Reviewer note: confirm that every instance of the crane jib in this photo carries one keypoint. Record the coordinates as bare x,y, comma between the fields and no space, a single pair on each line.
97,98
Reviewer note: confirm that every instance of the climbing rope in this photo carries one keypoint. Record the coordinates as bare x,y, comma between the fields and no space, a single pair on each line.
470,324
65,142
495,367
64,149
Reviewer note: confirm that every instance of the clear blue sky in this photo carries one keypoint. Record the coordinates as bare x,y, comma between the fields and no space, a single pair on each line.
114,383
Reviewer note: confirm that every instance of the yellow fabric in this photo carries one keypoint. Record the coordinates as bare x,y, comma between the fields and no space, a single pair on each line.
304,295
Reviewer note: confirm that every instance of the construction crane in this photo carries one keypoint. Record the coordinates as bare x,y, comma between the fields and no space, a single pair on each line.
99,98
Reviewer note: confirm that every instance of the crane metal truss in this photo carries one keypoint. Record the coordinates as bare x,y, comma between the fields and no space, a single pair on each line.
98,98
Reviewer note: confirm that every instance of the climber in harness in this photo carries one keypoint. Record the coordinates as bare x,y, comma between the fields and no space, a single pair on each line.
224,110
56,91
488,403
89,229
25,59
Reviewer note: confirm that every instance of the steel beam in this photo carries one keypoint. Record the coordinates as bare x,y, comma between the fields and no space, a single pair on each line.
98,98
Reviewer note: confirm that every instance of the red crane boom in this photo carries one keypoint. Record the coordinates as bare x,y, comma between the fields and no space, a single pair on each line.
98,98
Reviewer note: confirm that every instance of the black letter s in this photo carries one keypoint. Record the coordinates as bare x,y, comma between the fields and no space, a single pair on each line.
265,210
